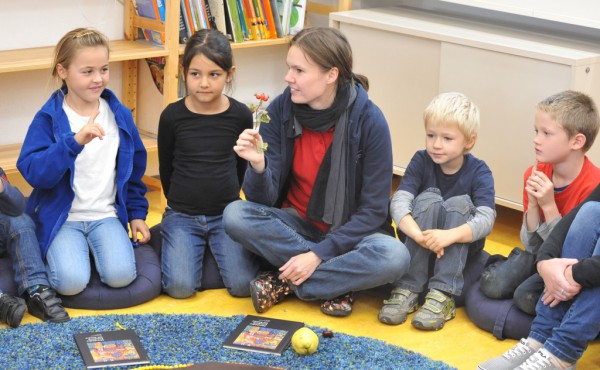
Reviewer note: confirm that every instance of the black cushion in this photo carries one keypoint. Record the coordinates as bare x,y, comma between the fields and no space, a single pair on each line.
471,274
498,316
146,286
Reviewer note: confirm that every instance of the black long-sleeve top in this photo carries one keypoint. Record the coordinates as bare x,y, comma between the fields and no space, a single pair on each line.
587,271
199,171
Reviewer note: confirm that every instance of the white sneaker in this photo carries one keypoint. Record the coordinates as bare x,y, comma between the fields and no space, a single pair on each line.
542,359
509,359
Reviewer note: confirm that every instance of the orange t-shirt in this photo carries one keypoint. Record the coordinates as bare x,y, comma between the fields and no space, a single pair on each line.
574,193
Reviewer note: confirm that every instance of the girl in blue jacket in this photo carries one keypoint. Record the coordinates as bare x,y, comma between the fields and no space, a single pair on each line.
85,160
318,196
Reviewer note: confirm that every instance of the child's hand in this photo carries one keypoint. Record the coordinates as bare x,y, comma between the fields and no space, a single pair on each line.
246,147
436,240
90,131
540,188
139,226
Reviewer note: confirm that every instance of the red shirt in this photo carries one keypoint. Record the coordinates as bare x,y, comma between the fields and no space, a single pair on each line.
574,193
309,150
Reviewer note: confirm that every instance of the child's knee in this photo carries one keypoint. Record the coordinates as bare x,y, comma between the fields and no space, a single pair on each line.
119,279
69,282
21,223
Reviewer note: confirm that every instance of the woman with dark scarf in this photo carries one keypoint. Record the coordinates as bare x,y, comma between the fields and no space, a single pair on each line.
317,198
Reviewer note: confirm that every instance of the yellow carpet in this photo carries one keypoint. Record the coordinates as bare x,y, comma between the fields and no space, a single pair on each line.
460,343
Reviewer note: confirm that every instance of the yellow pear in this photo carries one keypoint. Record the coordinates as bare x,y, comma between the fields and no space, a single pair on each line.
305,341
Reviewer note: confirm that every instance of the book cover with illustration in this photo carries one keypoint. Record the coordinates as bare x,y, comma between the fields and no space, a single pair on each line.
262,334
297,15
111,348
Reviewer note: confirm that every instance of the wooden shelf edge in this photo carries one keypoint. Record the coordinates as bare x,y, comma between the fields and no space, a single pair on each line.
10,153
39,58
250,44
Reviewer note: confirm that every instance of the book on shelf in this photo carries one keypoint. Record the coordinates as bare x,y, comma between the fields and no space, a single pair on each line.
184,28
217,8
276,18
270,19
252,20
210,18
111,348
298,13
262,334
186,11
150,9
234,28
246,33
285,11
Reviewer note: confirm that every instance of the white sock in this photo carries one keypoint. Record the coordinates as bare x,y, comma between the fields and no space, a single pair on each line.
534,344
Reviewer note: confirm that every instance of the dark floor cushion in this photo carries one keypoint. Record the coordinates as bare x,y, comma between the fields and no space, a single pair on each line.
211,277
7,281
147,286
471,274
498,316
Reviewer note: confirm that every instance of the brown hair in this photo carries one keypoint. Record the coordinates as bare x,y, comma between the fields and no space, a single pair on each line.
329,48
575,112
73,41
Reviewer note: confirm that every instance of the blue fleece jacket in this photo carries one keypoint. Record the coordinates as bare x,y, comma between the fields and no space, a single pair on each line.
369,171
47,162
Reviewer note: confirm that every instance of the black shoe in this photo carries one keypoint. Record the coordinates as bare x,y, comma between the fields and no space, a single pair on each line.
44,305
12,310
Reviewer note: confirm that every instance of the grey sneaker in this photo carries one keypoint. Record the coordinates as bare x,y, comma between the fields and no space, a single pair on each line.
510,359
401,303
438,309
542,359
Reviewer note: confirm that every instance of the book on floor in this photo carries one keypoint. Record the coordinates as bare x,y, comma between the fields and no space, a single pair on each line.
262,334
111,348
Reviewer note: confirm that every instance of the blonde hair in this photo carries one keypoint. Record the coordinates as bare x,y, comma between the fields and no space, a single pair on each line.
454,108
72,42
575,112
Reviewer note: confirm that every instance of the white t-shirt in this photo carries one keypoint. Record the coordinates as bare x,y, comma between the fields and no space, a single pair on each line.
95,168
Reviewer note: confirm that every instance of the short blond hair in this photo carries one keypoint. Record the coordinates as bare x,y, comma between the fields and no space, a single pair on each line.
454,108
575,112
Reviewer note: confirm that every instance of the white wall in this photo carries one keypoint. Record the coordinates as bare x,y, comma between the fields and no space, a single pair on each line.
579,12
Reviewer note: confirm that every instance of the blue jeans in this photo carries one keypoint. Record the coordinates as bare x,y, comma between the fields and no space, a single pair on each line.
280,234
68,257
430,211
184,240
566,329
17,237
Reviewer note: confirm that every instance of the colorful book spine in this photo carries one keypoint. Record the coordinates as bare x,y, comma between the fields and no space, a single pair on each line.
234,21
184,34
198,5
261,19
269,18
188,12
253,20
243,22
277,18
